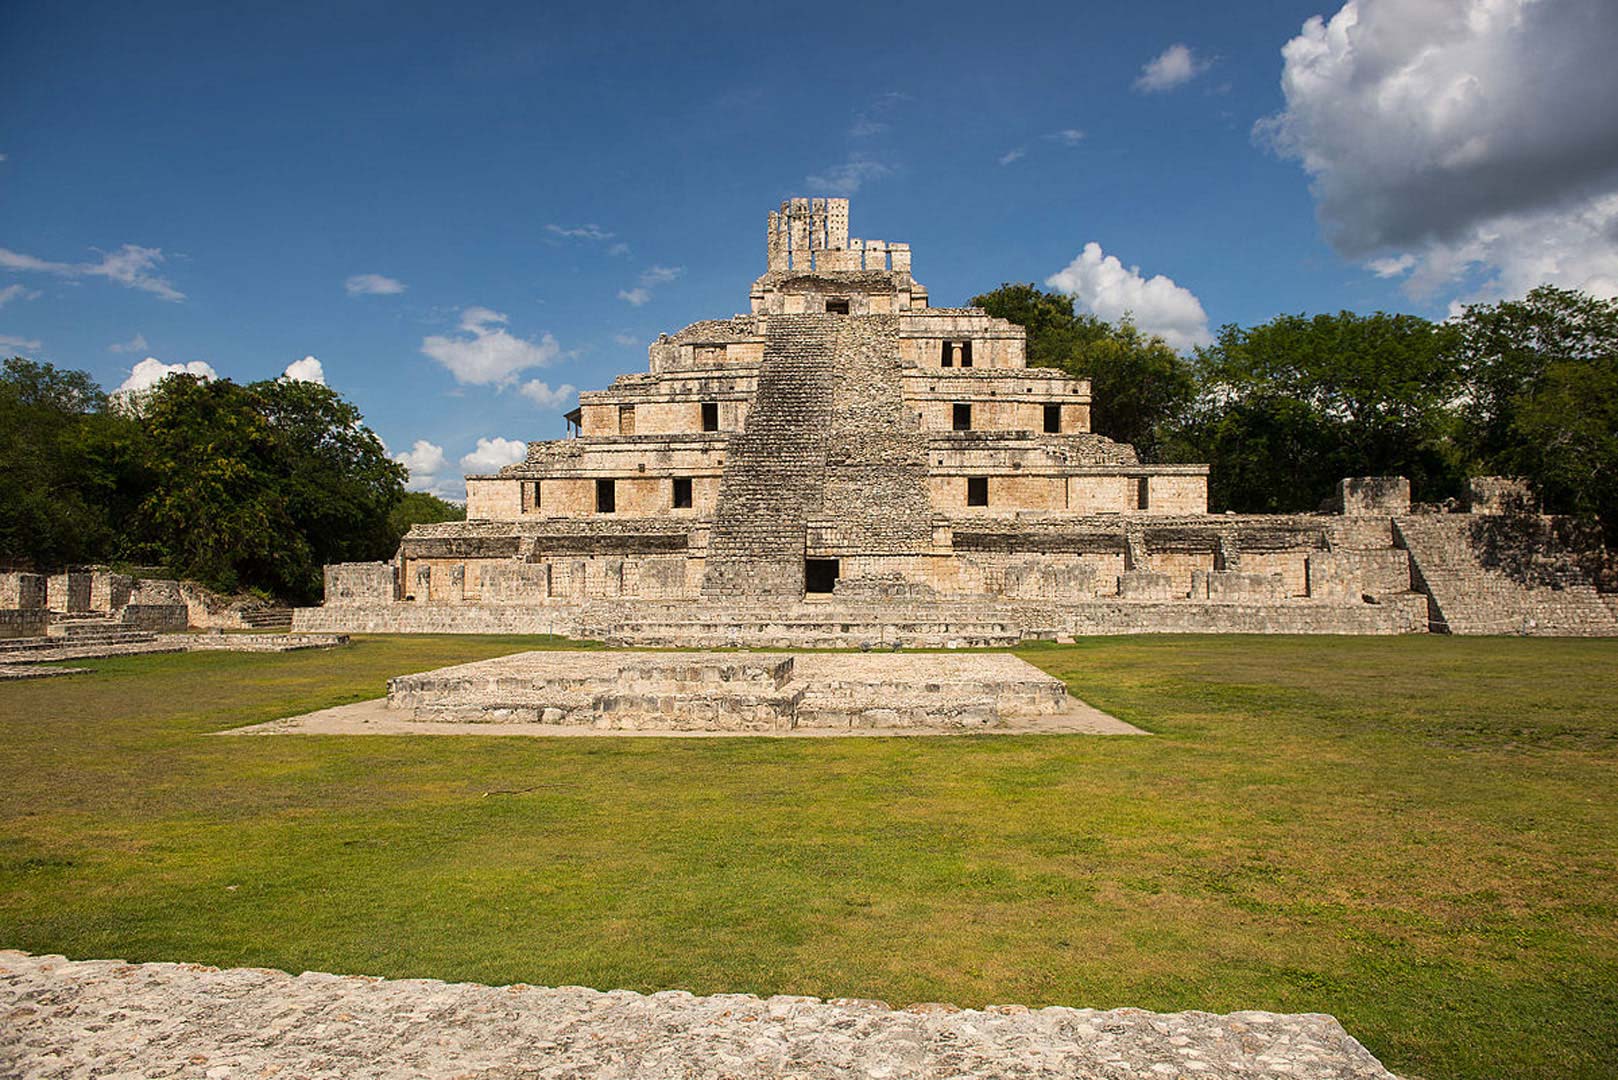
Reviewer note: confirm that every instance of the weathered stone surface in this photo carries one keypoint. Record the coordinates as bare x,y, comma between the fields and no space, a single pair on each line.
684,691
843,442
105,1017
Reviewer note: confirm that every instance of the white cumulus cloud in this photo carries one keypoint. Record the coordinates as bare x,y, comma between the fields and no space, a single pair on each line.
1174,66
131,266
494,454
423,459
306,370
486,354
151,371
1110,290
373,285
1472,144
544,396
428,471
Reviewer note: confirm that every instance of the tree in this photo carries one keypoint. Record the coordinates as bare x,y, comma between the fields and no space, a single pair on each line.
1138,385
1287,409
1540,378
421,508
63,459
258,486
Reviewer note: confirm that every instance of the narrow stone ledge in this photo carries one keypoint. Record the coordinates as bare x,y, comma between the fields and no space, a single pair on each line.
105,1017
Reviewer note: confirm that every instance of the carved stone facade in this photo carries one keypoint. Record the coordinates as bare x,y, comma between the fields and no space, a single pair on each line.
846,455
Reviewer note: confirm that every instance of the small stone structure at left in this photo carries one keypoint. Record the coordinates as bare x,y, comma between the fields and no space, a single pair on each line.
91,612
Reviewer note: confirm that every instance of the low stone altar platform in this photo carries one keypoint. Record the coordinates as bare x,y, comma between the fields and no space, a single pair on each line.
752,692
81,1018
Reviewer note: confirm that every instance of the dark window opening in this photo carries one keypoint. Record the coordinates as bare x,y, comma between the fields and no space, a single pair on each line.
530,496
710,416
962,417
819,575
682,493
836,307
956,352
1141,488
977,491
606,497
1053,419
626,419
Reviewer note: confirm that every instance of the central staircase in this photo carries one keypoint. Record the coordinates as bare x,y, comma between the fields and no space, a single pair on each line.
774,471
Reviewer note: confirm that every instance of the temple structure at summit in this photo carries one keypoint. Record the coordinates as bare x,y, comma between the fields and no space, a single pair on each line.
844,462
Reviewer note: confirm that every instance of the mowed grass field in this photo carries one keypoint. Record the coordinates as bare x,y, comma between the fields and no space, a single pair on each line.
1418,835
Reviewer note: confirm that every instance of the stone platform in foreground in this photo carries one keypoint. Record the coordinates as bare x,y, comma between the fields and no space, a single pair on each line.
735,691
105,1017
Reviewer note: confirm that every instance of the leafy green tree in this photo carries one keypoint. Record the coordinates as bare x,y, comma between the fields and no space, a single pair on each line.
258,486
1139,386
64,460
1540,378
1287,409
421,508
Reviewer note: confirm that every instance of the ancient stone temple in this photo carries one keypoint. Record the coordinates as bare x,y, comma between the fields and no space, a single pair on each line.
846,463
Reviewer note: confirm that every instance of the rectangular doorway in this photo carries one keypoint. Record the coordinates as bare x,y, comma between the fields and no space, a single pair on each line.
819,575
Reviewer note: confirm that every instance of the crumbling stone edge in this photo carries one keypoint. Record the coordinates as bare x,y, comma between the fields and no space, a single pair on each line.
61,1015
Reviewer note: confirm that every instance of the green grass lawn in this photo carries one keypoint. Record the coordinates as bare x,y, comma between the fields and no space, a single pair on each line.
1418,835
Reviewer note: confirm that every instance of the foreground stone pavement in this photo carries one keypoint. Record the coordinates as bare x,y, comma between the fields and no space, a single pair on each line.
61,1018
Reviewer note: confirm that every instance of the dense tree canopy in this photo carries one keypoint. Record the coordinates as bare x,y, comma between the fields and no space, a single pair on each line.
1287,409
1540,396
421,508
236,486
1138,385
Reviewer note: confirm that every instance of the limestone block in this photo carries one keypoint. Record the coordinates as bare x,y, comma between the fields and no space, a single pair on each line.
1146,585
109,591
1229,585
157,591
1040,580
1353,574
359,583
1499,495
1383,495
23,592
68,591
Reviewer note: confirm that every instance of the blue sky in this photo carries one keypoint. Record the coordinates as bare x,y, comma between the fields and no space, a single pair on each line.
447,204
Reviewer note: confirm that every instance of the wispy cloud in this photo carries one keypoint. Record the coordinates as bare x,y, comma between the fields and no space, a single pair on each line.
131,266
849,177
660,275
134,344
594,233
1013,155
1066,137
22,343
373,285
650,278
628,341
1174,66
17,292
